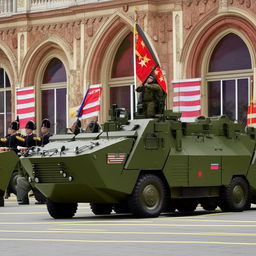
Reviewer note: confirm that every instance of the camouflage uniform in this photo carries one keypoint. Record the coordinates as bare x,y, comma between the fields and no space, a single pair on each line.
150,95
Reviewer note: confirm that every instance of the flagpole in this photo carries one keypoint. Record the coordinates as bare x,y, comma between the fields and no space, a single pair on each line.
135,95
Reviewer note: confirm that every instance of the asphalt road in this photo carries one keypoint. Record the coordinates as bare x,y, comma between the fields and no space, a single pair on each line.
29,230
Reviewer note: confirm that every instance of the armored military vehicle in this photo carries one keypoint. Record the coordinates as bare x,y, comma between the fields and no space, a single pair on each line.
148,166
8,160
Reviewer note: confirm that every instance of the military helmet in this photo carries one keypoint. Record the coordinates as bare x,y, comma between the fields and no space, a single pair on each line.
15,125
46,123
94,126
30,125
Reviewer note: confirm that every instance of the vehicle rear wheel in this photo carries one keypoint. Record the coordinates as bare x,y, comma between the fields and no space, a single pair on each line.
101,209
61,210
234,197
121,207
209,204
186,205
148,198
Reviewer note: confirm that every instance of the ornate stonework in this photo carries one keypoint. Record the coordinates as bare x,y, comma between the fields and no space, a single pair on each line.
242,3
82,36
9,36
194,11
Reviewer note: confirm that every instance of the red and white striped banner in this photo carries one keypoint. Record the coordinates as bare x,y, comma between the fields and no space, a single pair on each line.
187,98
90,106
25,105
251,115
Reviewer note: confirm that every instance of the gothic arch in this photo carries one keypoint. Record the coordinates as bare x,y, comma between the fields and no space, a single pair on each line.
39,54
195,49
107,37
8,62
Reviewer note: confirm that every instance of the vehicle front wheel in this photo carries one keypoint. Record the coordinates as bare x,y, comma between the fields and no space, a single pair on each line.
149,197
61,210
234,197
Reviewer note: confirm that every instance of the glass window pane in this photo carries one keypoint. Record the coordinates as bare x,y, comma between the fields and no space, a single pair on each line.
8,102
7,81
121,97
1,102
61,110
1,125
48,106
229,99
55,72
214,98
231,53
123,63
243,100
1,78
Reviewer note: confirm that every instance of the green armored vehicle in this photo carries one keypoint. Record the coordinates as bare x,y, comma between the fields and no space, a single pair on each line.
8,160
148,166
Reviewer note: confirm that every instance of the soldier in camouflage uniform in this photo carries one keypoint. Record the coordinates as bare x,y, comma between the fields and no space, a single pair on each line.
152,96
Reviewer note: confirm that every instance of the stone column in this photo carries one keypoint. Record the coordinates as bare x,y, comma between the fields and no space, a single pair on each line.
177,43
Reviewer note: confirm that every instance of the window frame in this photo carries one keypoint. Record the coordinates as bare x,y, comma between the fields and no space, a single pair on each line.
4,90
238,77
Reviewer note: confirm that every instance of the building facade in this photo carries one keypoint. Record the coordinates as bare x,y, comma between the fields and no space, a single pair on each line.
61,47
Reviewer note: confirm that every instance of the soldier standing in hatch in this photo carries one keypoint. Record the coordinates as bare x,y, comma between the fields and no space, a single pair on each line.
152,96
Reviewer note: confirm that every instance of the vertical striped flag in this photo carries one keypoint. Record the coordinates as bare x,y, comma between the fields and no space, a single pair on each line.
187,98
251,115
90,106
25,105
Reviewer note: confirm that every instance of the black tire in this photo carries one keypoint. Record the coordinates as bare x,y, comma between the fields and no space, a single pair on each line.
101,209
39,196
149,196
12,186
61,210
121,208
234,197
249,199
209,204
186,205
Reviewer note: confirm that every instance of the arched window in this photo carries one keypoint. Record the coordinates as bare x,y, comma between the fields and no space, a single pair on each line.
123,62
229,74
54,105
122,75
5,102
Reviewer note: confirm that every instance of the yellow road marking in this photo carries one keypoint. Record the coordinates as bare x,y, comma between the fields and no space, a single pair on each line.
99,231
126,241
203,215
209,220
162,225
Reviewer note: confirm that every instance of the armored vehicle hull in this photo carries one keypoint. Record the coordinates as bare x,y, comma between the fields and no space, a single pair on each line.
8,160
148,166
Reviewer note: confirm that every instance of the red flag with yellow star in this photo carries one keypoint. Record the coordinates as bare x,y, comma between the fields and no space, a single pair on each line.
160,78
146,61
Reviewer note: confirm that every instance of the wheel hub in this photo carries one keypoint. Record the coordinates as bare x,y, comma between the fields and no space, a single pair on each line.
238,195
150,196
